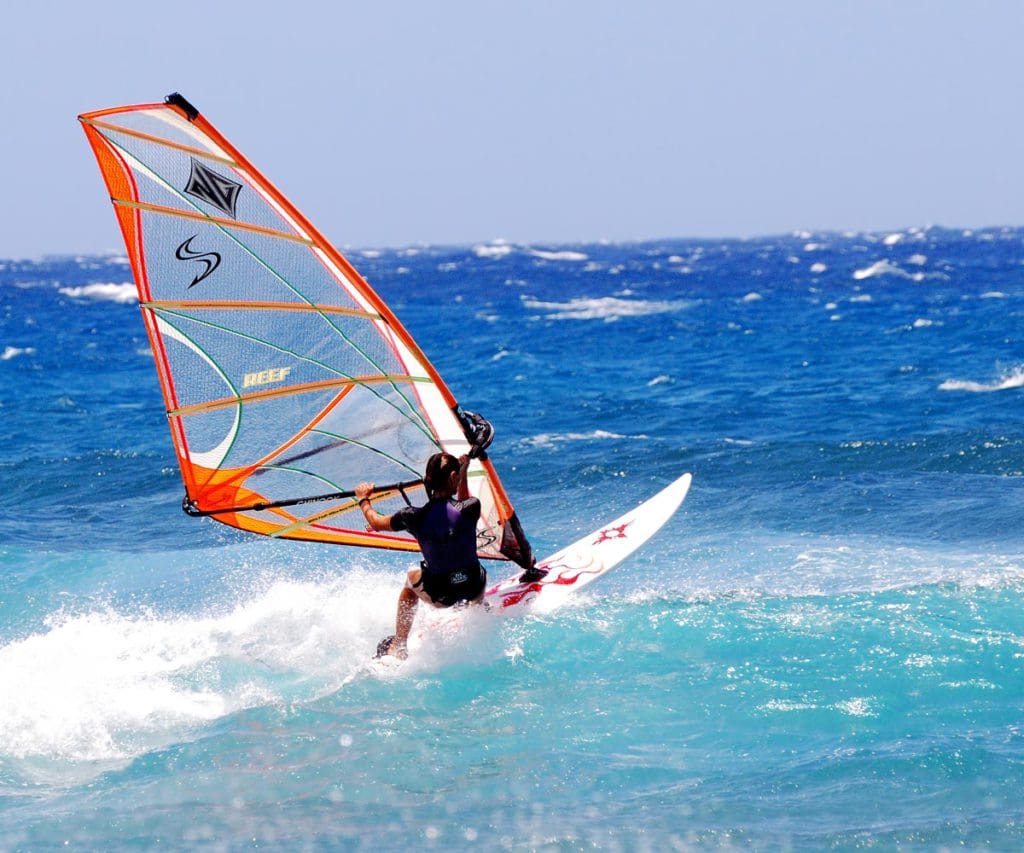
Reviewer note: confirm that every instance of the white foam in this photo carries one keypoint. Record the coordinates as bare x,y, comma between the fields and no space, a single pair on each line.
605,308
551,439
121,293
818,267
495,250
753,297
1011,379
993,294
558,256
892,239
14,352
94,690
880,268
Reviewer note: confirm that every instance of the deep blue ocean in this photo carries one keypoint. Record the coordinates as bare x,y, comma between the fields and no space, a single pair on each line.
824,649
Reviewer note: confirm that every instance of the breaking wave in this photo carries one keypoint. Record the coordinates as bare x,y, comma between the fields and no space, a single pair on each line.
1009,380
121,293
607,308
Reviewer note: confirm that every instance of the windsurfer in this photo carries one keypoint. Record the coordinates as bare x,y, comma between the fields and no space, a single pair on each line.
445,528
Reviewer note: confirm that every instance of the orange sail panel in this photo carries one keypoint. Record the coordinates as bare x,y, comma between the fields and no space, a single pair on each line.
284,374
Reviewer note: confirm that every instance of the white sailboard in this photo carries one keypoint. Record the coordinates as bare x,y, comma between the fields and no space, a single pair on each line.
591,557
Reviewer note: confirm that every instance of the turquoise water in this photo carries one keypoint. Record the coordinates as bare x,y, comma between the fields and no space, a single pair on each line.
822,650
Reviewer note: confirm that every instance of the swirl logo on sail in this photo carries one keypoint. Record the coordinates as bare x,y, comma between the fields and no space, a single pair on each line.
209,260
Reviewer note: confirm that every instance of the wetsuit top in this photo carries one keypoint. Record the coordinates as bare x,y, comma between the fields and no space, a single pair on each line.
446,531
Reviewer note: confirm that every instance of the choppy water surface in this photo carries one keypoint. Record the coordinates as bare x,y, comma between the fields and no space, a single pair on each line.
822,650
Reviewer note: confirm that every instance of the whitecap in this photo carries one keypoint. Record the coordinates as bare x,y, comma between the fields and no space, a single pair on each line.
107,292
892,239
1011,379
921,323
14,352
879,268
818,267
659,380
888,268
753,297
558,256
993,294
495,250
548,439
605,308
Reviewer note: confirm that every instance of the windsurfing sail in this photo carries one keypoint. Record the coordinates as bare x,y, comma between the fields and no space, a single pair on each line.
286,378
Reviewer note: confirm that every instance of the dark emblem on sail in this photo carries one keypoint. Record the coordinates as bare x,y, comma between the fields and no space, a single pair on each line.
213,188
209,260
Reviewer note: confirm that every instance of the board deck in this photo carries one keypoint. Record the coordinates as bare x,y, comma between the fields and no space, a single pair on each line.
593,556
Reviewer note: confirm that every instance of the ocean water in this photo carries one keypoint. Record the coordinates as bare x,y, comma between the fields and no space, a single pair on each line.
822,650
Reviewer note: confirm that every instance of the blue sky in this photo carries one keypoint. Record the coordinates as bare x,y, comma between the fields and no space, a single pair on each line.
392,124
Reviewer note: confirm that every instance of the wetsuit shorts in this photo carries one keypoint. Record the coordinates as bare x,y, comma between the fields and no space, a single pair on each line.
448,588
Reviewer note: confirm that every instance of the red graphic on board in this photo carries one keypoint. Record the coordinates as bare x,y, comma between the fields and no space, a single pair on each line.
559,574
612,533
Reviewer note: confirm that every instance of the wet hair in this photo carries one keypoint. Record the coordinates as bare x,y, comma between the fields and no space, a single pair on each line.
440,468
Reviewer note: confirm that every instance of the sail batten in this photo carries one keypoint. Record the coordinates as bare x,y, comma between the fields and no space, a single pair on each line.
206,219
282,370
156,140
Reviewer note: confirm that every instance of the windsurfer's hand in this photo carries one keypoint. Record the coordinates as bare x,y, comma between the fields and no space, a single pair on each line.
364,490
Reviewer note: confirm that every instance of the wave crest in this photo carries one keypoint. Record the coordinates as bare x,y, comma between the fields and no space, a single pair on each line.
1011,379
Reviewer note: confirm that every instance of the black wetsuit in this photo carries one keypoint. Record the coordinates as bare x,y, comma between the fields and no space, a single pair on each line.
446,531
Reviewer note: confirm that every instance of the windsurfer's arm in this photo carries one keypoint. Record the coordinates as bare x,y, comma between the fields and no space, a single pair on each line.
463,489
373,518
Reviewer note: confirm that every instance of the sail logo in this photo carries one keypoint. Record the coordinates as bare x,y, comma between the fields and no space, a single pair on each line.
265,377
209,260
213,188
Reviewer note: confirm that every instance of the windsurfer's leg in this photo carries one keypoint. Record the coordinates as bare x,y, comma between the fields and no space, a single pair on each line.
408,598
